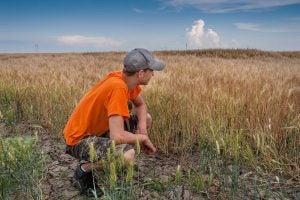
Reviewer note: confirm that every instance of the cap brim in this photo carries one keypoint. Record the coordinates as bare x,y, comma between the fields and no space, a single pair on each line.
157,65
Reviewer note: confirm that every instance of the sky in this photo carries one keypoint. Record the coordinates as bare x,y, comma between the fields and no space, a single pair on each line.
28,26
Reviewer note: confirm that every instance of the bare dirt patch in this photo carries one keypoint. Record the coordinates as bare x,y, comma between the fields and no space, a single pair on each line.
154,172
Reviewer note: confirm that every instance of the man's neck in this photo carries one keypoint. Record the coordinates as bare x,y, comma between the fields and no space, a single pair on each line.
130,81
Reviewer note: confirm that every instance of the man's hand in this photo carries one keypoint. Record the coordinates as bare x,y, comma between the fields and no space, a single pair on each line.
147,145
117,133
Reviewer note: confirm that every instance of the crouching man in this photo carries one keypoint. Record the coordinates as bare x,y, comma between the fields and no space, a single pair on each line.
103,116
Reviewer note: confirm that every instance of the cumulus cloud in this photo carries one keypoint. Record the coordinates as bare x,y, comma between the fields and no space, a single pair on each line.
88,41
198,37
229,5
213,36
196,34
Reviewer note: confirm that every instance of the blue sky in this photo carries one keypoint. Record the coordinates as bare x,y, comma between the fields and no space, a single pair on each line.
110,25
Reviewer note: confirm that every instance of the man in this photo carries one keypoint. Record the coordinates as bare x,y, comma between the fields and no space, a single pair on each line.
103,116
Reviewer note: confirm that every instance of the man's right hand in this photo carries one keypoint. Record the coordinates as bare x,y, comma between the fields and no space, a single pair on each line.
147,145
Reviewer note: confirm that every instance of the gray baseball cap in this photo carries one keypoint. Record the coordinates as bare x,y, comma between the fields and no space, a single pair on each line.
139,59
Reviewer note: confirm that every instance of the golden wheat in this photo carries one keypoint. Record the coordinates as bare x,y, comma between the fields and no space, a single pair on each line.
245,103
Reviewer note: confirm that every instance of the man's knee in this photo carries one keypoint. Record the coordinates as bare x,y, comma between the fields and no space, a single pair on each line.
149,120
129,155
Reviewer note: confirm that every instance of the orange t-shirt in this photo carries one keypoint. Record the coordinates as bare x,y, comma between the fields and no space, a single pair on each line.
108,97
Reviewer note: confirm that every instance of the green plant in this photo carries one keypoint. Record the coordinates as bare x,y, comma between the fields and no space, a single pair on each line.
21,166
116,176
178,175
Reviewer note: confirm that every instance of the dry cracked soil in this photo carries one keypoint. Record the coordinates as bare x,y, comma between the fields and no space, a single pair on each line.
57,183
59,168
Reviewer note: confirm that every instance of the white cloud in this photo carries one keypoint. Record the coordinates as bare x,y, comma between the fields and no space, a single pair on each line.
247,26
137,10
88,41
198,37
266,29
213,36
230,5
196,34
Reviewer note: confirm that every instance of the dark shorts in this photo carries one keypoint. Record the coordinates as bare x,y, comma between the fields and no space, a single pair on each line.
101,143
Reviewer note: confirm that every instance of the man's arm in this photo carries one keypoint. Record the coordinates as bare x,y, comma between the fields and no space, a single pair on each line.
117,133
141,112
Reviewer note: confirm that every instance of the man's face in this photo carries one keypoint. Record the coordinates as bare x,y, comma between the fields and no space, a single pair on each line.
145,76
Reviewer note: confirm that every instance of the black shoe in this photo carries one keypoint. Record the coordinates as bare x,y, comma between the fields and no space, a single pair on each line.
86,183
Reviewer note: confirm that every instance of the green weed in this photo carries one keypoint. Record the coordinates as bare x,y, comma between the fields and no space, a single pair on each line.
21,166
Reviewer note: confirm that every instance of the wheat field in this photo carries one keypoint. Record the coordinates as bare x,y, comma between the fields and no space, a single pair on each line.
243,104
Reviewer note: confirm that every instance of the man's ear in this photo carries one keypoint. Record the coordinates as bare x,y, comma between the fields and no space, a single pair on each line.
140,73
